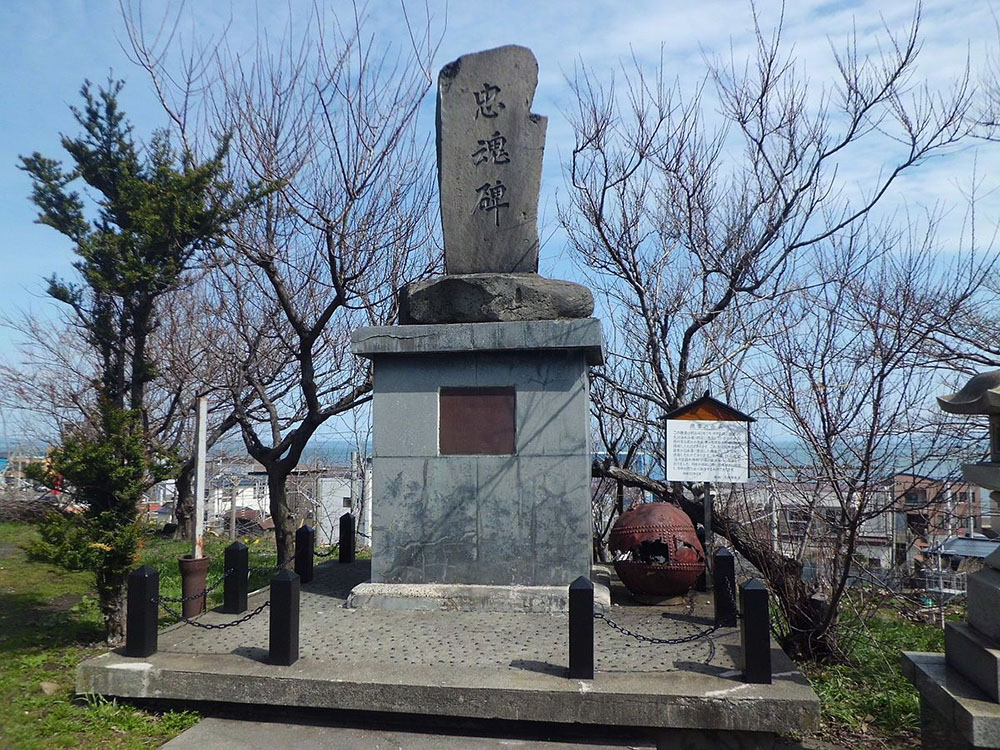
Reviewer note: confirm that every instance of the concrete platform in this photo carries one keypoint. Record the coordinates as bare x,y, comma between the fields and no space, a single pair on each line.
457,597
469,665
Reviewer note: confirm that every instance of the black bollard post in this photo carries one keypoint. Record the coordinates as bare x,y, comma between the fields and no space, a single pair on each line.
237,583
347,538
140,619
305,548
283,641
755,635
724,580
581,629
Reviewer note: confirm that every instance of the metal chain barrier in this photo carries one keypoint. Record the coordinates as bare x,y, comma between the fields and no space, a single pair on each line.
209,625
208,590
667,641
653,640
271,569
330,552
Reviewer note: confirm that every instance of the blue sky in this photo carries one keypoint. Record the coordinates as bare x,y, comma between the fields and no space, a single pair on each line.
50,46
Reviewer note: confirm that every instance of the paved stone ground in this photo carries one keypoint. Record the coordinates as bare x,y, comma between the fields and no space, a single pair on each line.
473,640
231,734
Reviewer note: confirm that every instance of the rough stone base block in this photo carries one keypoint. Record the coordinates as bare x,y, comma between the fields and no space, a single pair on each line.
492,297
445,597
984,602
974,656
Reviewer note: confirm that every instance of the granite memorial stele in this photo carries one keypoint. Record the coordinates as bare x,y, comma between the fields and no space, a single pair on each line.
481,451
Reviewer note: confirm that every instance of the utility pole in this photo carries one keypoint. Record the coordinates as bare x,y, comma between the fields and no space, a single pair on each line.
201,430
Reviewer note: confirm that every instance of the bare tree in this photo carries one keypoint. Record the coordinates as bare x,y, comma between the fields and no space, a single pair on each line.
326,117
49,387
848,377
715,247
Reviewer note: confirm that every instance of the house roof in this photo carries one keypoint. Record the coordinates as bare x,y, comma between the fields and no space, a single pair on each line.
963,546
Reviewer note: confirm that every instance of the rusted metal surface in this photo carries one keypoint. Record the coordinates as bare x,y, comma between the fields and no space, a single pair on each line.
476,421
657,550
194,575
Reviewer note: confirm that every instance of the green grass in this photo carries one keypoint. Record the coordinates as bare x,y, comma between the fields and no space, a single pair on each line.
49,623
162,554
870,692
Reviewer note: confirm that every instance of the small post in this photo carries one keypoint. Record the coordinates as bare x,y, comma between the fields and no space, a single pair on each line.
581,629
232,516
701,584
237,583
283,640
347,538
200,453
724,580
140,619
709,541
305,547
755,635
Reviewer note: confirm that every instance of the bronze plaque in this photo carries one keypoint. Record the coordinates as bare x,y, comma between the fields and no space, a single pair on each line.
476,421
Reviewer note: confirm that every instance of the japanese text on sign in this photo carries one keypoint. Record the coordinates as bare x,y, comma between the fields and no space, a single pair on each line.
707,451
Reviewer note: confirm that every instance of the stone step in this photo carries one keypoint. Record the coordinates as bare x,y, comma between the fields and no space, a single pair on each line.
976,657
984,602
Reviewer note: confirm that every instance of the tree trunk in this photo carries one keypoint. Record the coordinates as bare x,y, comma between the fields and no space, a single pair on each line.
281,513
184,504
111,594
600,551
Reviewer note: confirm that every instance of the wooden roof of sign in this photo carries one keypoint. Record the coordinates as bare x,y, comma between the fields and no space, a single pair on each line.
709,409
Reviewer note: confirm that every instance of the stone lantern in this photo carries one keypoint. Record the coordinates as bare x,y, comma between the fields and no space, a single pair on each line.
960,689
981,395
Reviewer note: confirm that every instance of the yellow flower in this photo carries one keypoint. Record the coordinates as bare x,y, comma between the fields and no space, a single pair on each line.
100,546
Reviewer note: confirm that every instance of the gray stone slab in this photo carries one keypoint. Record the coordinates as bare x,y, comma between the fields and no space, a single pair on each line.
993,560
466,665
233,734
936,732
441,597
504,520
446,338
552,399
490,150
959,702
983,602
976,657
486,297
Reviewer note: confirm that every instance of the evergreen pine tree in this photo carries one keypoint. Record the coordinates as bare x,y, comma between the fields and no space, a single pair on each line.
156,211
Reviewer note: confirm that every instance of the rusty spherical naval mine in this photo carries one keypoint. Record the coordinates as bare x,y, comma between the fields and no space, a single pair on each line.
656,550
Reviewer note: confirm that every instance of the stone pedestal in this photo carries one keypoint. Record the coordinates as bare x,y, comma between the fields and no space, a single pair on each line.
960,693
507,529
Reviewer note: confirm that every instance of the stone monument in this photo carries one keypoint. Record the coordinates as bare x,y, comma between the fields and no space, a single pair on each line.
960,689
481,453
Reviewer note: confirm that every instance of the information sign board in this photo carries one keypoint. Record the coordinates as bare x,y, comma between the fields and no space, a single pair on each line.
707,451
